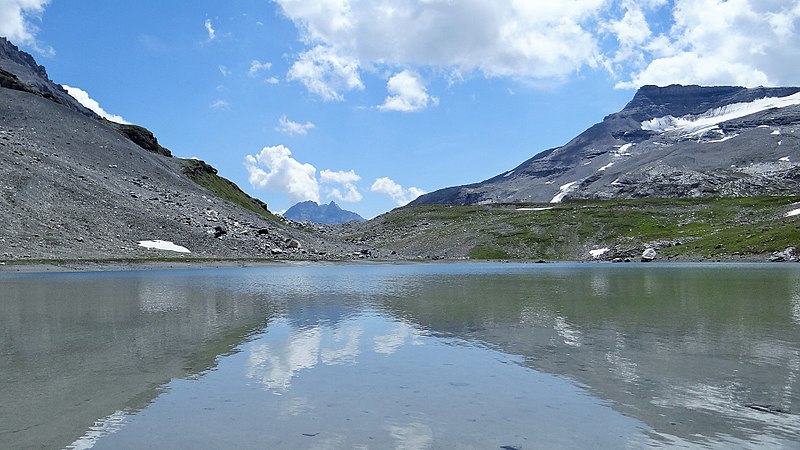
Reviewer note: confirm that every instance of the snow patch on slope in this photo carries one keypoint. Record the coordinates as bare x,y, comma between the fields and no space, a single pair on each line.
722,139
164,245
564,190
623,150
535,209
693,124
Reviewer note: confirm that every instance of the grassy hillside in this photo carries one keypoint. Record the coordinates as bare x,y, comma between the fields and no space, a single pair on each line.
206,176
697,229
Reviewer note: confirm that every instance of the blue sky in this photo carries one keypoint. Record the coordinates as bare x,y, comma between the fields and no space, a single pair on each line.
371,102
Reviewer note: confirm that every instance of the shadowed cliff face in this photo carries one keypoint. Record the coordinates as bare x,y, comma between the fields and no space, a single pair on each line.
674,141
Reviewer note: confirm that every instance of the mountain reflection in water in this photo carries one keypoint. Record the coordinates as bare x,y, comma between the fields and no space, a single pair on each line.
405,356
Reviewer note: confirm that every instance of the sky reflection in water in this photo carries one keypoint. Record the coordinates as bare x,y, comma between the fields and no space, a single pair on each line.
420,356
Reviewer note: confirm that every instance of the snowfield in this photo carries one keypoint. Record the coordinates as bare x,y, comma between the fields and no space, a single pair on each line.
692,124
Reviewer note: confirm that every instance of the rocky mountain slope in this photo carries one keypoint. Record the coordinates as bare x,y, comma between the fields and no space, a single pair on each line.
331,213
74,186
675,141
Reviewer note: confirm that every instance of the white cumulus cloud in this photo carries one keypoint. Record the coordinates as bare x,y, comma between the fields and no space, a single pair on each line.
746,42
84,99
631,32
15,18
385,185
293,128
738,42
326,73
283,174
275,169
347,180
514,38
329,176
408,94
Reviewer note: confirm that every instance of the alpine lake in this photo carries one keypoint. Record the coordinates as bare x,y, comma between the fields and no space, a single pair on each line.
405,356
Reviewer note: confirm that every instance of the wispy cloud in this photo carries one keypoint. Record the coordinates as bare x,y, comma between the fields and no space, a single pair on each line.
212,33
152,43
257,66
221,105
293,128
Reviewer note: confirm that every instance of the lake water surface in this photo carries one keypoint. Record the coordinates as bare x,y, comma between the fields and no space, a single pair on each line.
483,356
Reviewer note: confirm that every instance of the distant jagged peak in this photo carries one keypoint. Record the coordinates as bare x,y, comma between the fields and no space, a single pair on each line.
331,213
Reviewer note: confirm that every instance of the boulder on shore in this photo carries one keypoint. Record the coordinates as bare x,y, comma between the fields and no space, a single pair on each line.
789,254
649,254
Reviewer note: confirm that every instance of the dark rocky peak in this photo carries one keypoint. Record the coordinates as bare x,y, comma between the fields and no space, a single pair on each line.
310,211
34,77
11,52
142,137
678,100
19,71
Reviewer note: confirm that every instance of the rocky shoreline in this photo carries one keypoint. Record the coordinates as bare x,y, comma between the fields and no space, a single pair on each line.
140,264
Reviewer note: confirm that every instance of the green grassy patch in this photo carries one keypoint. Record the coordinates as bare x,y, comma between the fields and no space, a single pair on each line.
484,252
206,176
680,228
